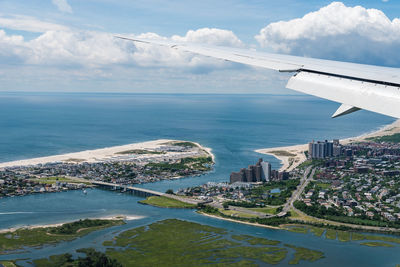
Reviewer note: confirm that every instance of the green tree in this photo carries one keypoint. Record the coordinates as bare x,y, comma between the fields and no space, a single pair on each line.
170,191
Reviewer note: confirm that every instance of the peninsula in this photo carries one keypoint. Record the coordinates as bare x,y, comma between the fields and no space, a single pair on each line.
124,165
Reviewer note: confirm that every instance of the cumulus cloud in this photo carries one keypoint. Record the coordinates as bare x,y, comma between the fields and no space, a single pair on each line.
211,37
69,47
147,55
62,5
337,32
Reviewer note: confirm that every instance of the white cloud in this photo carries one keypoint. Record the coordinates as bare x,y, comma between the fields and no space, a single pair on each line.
61,47
338,32
30,24
148,55
210,36
62,5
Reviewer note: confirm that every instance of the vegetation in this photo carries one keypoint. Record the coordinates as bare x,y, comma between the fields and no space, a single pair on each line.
317,231
169,191
21,238
383,238
53,180
234,213
296,229
357,236
330,234
240,237
140,152
395,138
323,186
337,215
256,240
376,244
184,144
166,202
7,264
273,221
267,210
262,195
180,243
185,164
305,254
282,153
262,241
343,236
78,226
93,259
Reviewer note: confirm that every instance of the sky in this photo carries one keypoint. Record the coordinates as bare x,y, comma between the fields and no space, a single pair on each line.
69,45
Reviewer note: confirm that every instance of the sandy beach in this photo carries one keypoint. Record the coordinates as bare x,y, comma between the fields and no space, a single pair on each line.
97,155
293,156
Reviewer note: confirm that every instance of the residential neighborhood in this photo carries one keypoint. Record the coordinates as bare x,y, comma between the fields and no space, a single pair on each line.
127,168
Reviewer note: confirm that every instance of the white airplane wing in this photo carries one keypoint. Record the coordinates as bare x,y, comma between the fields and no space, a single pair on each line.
355,86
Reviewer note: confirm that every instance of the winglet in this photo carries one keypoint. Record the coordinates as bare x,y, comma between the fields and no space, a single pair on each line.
344,110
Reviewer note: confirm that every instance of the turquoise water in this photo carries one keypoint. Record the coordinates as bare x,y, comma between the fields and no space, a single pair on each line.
34,125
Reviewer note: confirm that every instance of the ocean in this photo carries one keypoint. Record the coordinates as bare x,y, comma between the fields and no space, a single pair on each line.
43,124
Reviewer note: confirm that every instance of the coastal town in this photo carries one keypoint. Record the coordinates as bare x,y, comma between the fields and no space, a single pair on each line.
354,183
362,181
165,160
344,181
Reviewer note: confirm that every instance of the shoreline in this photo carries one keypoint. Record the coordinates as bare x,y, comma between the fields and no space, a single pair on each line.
100,154
242,222
292,156
111,217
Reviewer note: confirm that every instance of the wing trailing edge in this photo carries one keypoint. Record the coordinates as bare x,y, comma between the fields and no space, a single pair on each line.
356,86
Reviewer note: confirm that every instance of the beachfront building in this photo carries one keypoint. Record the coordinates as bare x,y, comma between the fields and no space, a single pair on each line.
321,150
259,172
266,171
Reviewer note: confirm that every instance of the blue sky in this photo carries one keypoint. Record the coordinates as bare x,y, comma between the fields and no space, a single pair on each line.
67,45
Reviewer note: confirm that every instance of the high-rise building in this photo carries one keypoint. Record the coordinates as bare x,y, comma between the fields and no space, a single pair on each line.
266,171
337,150
238,176
254,173
320,150
249,174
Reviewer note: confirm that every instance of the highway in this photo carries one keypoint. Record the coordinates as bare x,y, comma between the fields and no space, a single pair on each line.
304,181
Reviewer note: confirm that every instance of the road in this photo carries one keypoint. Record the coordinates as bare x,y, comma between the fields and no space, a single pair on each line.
304,181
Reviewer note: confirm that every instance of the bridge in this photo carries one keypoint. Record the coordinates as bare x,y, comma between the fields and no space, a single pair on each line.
143,192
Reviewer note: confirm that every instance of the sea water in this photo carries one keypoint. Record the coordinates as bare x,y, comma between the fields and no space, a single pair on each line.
233,126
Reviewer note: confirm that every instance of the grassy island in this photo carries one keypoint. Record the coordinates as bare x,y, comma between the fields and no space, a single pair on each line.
174,242
11,241
165,202
377,244
304,254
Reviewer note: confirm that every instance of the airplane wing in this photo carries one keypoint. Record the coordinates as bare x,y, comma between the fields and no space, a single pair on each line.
355,86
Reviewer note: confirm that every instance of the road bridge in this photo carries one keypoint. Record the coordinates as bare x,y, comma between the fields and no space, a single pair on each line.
143,192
